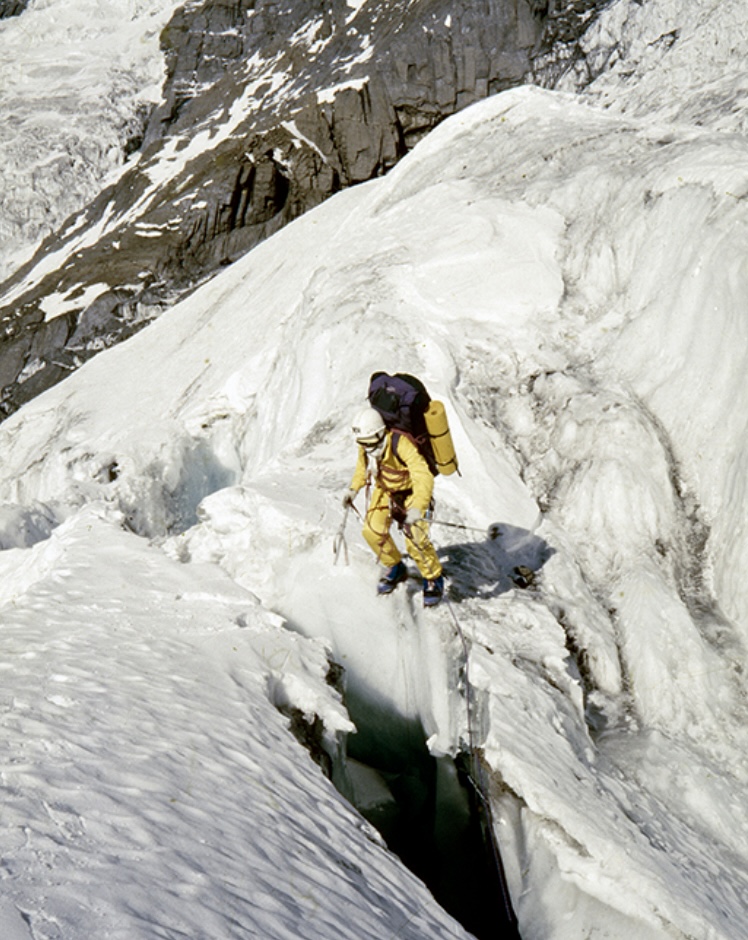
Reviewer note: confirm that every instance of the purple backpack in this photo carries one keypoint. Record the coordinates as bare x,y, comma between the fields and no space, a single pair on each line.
402,401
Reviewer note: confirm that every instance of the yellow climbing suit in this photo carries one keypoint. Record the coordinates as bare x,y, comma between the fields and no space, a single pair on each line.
402,478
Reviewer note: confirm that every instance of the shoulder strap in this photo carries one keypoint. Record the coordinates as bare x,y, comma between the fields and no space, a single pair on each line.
396,435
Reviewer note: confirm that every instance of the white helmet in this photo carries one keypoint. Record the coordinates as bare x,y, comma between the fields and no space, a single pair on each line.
368,427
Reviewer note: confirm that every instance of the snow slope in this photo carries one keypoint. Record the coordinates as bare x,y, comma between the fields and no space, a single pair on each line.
570,280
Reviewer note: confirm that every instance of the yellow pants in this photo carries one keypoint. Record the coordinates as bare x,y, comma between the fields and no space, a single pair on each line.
377,533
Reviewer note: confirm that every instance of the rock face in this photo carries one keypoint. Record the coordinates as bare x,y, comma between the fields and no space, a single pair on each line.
12,7
269,107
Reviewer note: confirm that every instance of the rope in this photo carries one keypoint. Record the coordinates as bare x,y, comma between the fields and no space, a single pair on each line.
457,525
476,776
478,781
468,687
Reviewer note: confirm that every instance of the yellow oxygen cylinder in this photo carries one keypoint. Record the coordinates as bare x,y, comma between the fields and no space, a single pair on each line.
441,439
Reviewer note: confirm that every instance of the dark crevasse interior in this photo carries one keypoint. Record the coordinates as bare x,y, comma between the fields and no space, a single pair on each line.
427,811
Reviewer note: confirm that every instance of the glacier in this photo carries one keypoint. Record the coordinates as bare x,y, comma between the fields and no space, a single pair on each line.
76,84
566,271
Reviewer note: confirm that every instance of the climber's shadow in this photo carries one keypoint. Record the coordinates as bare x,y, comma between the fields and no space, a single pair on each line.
509,557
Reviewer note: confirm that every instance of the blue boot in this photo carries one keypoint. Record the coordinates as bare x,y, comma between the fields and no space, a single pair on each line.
433,591
391,578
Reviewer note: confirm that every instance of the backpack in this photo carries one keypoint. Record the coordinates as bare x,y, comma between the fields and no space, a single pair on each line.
402,401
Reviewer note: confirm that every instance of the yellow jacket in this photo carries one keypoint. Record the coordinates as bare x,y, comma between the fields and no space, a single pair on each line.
407,470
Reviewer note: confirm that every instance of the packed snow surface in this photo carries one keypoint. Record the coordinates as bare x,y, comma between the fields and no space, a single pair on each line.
570,280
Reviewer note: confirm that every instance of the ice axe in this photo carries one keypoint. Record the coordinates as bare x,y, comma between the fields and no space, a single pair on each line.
339,543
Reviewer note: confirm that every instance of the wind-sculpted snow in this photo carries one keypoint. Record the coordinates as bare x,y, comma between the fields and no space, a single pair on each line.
150,788
545,267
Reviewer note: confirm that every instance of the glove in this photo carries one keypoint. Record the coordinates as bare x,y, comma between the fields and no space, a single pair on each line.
413,515
348,498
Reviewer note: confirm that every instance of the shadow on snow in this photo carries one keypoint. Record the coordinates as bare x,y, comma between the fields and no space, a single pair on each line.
509,556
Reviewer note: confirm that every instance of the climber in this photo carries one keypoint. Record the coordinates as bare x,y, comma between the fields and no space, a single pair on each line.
399,486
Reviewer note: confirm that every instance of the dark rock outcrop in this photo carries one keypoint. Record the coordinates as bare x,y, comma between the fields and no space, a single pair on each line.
269,107
12,8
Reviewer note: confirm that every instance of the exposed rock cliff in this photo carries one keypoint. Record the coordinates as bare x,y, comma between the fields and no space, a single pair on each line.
12,7
269,107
